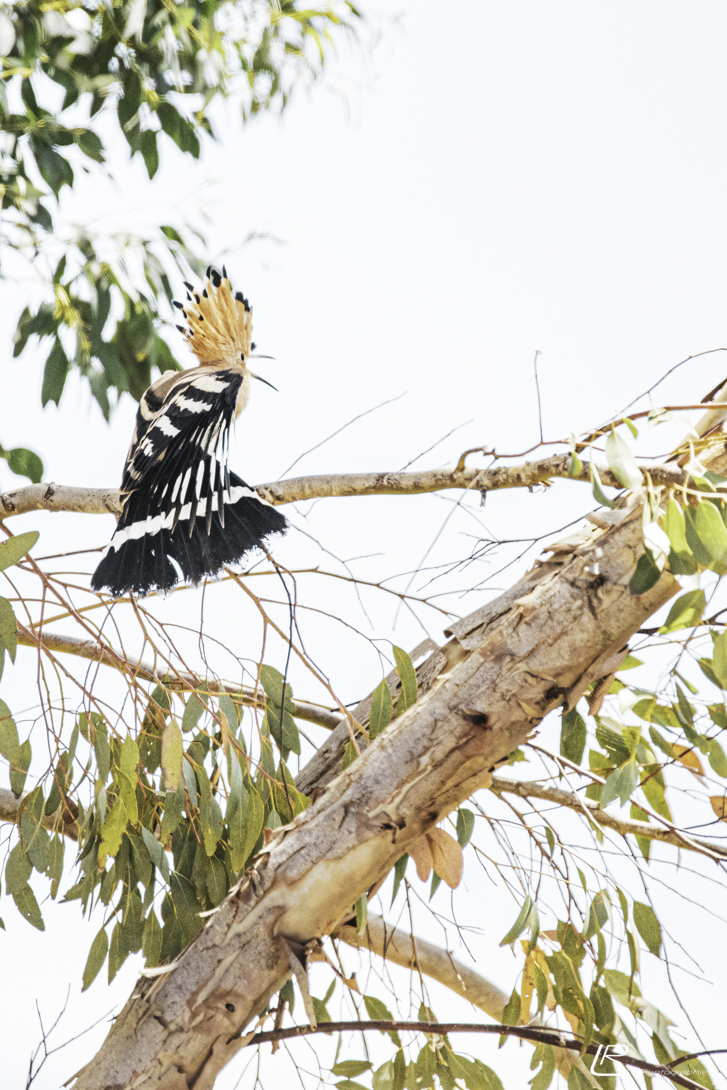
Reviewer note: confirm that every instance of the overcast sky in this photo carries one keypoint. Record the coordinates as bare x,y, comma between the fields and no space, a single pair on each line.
490,180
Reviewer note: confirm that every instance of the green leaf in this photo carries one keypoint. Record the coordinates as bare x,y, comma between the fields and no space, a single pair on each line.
193,709
378,1011
350,1068
15,548
681,561
646,575
216,881
151,945
9,742
598,494
272,682
648,926
210,816
186,905
246,827
686,612
622,462
520,924
399,869
19,773
156,852
147,145
465,826
17,870
620,784
381,709
717,758
27,906
112,831
408,677
25,463
719,659
572,736
118,952
54,375
96,958
711,531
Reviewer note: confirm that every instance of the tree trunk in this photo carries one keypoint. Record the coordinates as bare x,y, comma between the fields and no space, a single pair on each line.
535,648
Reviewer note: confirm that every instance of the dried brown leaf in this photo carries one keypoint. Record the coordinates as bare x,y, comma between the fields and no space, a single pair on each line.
688,758
719,805
446,857
421,853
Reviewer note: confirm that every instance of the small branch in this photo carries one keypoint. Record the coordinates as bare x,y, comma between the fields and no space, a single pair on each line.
10,811
527,790
182,681
99,501
525,1033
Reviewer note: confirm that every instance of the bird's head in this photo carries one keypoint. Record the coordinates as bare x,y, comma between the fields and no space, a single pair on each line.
218,323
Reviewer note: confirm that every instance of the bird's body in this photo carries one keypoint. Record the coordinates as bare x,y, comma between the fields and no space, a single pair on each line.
183,512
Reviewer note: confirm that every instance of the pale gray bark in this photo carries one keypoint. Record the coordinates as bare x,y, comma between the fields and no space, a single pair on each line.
100,501
541,644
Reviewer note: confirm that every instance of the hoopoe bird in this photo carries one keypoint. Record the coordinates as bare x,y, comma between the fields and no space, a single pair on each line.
184,514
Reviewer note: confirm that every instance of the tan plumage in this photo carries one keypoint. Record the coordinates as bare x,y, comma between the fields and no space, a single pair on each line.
219,323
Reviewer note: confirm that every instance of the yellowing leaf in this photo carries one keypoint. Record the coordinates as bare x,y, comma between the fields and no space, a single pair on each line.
687,757
446,857
719,805
172,751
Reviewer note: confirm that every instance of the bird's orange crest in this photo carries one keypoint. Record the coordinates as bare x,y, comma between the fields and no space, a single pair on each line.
219,322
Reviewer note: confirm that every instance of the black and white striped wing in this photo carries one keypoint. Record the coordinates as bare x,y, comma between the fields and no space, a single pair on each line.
183,511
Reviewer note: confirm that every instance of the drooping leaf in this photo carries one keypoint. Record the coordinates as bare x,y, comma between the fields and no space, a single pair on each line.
28,908
378,1012
522,921
573,736
465,826
172,754
622,462
96,958
381,709
648,926
408,677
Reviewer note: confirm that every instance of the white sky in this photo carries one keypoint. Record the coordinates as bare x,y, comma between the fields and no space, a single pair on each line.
495,179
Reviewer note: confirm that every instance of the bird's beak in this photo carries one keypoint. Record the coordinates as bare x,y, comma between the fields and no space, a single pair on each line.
259,356
265,381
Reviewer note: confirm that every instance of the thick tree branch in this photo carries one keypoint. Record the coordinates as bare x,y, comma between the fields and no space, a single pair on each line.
180,680
529,790
99,501
393,944
538,646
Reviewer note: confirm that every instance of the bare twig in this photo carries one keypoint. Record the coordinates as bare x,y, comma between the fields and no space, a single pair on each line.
97,652
529,790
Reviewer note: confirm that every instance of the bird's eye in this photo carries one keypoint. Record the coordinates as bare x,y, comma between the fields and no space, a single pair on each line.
242,356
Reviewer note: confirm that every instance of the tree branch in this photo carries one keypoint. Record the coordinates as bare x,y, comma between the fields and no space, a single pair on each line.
10,808
525,1033
393,944
99,501
529,790
179,680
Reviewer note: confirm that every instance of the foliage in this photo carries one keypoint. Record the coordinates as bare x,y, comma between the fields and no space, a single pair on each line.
71,73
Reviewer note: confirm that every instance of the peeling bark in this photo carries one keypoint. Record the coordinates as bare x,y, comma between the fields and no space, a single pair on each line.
533,649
